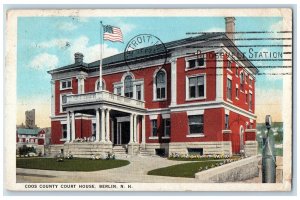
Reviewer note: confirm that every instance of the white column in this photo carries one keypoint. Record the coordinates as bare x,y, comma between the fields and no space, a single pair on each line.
107,126
219,78
68,127
173,82
135,128
73,126
102,139
112,131
131,128
52,98
143,130
118,129
97,125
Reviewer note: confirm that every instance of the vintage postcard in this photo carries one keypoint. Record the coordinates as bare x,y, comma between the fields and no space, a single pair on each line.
149,100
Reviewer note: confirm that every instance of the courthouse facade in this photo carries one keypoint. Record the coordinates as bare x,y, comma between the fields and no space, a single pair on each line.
198,97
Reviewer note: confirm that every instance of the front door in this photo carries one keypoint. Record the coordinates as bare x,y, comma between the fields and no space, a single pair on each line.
123,133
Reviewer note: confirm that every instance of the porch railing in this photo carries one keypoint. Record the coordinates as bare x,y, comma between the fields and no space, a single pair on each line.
101,96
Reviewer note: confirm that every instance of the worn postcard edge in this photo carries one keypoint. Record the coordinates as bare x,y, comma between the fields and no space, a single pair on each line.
10,108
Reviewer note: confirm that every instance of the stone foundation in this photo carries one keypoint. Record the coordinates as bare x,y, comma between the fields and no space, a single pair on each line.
85,150
209,148
150,148
53,150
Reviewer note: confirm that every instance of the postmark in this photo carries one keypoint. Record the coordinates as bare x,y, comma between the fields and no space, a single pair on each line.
144,47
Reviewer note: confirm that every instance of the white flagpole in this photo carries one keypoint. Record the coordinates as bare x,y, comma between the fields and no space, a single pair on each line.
101,54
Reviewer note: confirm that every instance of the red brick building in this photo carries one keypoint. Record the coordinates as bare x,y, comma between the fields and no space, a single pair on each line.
195,103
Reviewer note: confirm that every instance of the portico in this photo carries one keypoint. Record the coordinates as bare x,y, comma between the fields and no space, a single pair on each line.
109,111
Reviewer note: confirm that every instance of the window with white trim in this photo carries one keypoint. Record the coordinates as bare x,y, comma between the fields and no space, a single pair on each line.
242,80
226,121
196,124
154,127
237,70
250,101
236,92
160,83
98,85
196,62
247,98
63,100
229,64
167,125
65,84
64,131
196,87
128,86
138,91
119,91
229,89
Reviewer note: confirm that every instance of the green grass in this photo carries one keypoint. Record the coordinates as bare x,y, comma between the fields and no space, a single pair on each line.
76,164
187,170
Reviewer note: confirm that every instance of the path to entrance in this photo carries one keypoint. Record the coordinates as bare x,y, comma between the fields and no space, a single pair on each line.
135,172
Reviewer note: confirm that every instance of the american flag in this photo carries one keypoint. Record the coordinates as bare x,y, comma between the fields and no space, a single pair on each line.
112,33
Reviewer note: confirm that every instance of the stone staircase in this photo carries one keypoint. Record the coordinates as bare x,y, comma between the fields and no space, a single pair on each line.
120,150
143,152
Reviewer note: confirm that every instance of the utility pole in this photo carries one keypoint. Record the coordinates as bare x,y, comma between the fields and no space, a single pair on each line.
268,158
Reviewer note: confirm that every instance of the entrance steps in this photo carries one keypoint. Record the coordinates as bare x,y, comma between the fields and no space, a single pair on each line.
144,153
120,150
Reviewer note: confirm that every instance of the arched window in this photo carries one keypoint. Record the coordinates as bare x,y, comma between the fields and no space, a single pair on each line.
160,82
128,87
98,85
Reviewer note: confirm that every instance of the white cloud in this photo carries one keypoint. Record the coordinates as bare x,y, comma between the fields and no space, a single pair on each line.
91,53
44,61
127,28
66,26
59,42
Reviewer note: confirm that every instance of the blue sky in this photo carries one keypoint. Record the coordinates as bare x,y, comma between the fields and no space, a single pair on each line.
42,46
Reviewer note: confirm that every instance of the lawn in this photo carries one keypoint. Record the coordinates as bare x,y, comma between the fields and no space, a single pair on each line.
76,164
187,170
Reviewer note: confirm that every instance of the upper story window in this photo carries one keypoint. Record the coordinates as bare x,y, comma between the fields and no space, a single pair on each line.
250,101
138,91
196,87
237,70
229,89
160,85
195,62
66,84
98,85
128,87
242,80
250,81
229,65
119,91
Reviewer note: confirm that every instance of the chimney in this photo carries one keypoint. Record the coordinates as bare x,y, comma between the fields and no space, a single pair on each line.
78,57
230,27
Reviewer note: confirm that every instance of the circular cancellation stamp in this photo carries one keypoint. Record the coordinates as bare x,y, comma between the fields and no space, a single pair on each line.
145,47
